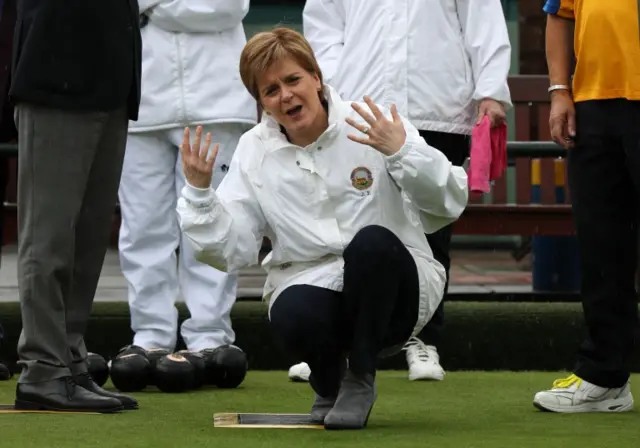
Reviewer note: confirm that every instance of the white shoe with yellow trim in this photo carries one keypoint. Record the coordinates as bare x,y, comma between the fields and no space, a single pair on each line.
573,395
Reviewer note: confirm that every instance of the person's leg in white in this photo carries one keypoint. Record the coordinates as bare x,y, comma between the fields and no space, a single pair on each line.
148,239
208,293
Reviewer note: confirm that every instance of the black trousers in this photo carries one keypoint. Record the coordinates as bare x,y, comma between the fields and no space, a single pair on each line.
456,148
377,309
604,177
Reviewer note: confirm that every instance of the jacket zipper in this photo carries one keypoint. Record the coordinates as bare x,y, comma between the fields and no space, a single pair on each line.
183,109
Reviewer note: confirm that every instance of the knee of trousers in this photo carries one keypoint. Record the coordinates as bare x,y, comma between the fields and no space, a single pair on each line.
372,242
306,335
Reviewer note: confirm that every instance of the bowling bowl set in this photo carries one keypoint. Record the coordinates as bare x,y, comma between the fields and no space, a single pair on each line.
134,369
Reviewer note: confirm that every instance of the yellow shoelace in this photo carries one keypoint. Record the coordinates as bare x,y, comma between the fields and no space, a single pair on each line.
565,383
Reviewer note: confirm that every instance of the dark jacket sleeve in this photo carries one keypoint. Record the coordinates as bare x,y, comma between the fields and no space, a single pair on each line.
7,26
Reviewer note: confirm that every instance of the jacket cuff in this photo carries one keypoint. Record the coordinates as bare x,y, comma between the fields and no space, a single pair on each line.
198,198
395,158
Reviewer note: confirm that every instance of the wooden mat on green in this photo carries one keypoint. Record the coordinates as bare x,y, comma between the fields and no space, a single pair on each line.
256,420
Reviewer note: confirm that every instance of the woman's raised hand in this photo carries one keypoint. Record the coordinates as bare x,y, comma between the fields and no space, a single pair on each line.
387,136
197,160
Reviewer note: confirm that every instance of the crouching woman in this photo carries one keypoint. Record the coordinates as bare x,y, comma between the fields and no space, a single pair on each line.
345,192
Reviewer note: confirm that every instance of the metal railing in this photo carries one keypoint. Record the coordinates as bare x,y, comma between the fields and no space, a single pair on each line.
8,149
514,149
535,149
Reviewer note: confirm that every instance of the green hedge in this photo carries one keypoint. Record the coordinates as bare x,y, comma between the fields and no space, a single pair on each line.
477,335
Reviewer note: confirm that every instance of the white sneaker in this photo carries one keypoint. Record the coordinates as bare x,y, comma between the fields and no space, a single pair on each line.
300,372
573,394
423,361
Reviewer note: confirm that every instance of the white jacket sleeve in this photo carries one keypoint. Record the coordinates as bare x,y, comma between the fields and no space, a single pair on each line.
487,41
145,5
429,180
224,227
199,16
323,27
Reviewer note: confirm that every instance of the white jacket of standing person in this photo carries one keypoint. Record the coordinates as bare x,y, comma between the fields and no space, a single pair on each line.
435,59
183,81
308,217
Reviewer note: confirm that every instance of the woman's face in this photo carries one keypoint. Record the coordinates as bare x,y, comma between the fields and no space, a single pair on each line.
290,94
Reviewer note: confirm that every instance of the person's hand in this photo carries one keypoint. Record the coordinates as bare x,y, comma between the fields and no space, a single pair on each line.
492,109
562,119
197,161
384,135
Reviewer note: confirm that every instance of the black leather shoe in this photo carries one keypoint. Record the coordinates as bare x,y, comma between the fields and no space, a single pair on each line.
85,380
63,395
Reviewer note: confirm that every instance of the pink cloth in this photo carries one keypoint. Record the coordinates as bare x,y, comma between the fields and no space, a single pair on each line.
488,158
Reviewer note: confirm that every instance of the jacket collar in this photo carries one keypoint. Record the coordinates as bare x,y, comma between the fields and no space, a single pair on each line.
338,110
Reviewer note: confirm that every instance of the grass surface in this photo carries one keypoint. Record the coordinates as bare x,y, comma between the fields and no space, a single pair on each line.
467,410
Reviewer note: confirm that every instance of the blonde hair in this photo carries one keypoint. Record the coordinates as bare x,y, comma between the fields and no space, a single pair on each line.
268,47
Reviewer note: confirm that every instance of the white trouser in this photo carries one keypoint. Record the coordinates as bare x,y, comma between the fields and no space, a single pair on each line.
152,178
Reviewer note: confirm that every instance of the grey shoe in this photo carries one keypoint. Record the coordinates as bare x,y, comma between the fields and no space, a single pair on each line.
326,388
321,408
356,399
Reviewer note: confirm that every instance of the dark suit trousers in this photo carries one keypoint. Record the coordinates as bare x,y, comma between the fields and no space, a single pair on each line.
69,171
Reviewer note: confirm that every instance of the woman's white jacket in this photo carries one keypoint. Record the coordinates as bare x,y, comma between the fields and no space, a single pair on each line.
311,201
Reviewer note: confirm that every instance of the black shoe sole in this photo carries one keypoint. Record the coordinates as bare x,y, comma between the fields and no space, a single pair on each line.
24,405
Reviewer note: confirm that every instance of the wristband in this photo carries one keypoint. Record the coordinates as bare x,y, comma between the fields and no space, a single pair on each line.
558,87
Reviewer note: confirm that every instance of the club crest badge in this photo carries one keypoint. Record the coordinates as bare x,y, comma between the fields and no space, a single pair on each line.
361,178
